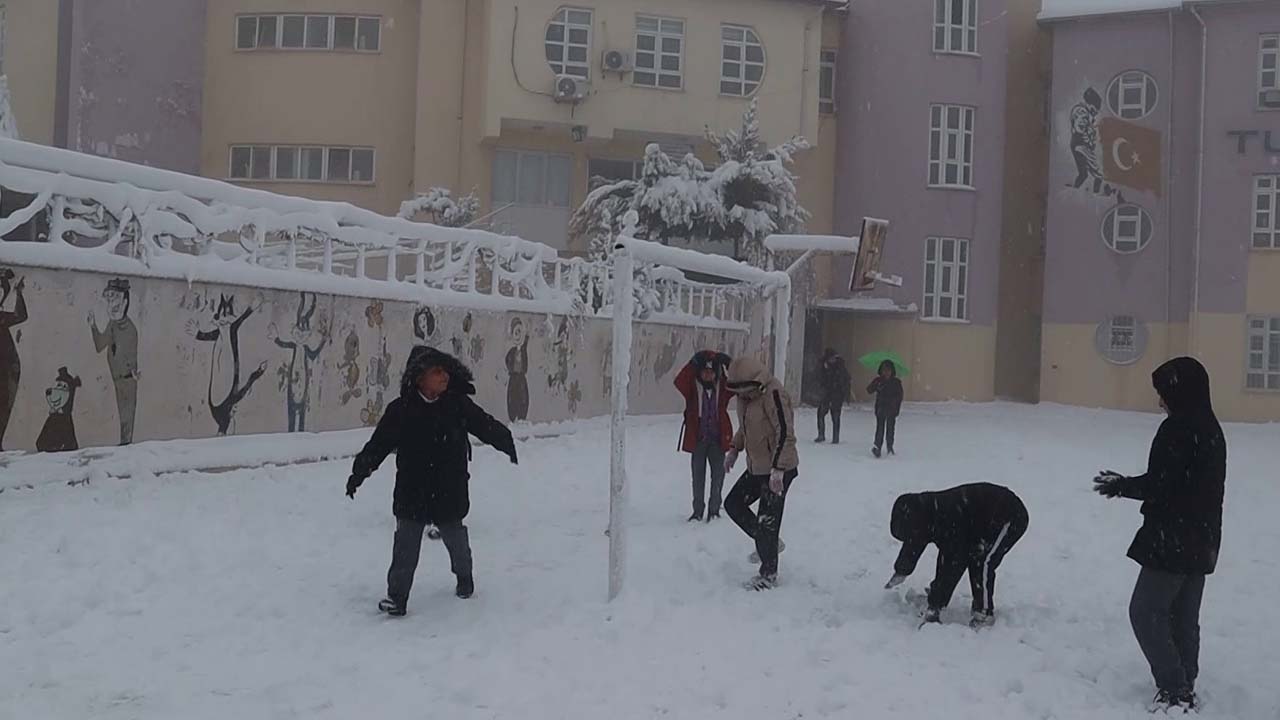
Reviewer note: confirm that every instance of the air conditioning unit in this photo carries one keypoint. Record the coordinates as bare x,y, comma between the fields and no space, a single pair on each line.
618,61
570,89
1270,98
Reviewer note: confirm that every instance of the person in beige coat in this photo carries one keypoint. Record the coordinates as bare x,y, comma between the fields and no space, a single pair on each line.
766,431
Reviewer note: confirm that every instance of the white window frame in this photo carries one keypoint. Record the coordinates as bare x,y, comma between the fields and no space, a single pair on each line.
274,173
828,59
1261,342
666,30
307,18
1268,78
1135,80
1266,213
740,40
945,31
546,157
954,145
575,68
1120,241
950,279
1122,326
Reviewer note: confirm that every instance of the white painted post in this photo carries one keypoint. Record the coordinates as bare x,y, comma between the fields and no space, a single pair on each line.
328,255
393,259
781,330
360,252
420,264
622,309
292,256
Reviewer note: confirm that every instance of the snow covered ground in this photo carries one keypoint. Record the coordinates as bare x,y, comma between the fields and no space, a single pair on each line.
251,593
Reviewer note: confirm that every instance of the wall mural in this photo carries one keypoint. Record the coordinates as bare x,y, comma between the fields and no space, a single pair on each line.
120,339
517,362
11,288
59,431
304,342
336,359
378,378
1111,153
222,329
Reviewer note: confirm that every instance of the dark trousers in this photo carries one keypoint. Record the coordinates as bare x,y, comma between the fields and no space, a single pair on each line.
708,452
885,429
407,546
764,527
828,405
1165,614
983,565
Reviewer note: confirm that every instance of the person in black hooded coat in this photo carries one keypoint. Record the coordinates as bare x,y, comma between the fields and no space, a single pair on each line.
889,393
1177,545
428,427
974,527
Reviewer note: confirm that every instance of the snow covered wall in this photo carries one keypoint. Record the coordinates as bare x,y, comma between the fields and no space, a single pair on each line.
99,359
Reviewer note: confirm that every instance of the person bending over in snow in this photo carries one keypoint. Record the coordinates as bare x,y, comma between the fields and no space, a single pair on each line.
766,431
888,391
974,527
427,428
1177,545
707,432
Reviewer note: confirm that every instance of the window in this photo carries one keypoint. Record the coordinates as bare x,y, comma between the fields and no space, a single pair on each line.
1121,339
1264,354
1127,229
1269,72
308,32
1123,332
302,163
741,61
568,43
1132,95
659,53
1266,212
955,26
827,82
951,146
603,172
531,179
946,278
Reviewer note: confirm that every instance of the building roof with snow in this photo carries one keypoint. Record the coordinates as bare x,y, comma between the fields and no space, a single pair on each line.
1054,10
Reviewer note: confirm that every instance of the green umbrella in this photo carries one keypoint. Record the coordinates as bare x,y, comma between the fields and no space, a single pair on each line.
872,361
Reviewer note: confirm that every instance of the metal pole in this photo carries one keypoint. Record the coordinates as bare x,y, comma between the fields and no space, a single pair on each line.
622,309
782,331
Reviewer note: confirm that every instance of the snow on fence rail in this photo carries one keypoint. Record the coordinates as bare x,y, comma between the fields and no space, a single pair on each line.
103,208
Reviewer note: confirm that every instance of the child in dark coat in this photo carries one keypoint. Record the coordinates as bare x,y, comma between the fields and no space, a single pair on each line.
428,428
888,391
974,527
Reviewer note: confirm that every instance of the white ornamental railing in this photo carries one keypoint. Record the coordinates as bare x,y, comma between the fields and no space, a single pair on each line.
98,206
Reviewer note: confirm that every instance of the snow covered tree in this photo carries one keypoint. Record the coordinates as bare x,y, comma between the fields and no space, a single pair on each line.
756,187
749,196
441,209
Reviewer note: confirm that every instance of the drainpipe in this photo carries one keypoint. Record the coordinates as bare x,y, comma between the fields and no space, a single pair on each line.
1193,327
1168,171
462,94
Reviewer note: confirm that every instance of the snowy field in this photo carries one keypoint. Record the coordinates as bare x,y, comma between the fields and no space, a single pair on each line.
251,593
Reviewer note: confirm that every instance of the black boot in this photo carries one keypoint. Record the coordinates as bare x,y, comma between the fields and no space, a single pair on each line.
695,517
391,607
466,587
875,451
713,516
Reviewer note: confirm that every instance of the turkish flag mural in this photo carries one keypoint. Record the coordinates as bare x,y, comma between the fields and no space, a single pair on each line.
1131,155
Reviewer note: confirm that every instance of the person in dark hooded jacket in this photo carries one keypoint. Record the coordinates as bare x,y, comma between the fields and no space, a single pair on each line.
888,391
833,380
974,527
1177,545
428,427
707,433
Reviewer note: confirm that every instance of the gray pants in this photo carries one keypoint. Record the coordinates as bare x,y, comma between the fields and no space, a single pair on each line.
708,452
1165,613
408,544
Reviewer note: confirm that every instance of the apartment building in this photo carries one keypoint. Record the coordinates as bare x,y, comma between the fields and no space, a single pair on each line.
1164,206
922,90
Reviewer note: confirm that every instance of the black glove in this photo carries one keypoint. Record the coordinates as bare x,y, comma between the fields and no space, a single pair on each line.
723,360
353,484
1107,484
698,358
931,615
511,453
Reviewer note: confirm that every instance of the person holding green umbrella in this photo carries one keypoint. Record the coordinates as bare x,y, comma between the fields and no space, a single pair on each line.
888,391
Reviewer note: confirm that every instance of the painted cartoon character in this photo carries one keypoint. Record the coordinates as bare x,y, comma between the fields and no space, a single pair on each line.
373,314
120,339
10,364
518,372
378,380
1085,138
224,368
562,350
424,323
350,367
59,431
304,345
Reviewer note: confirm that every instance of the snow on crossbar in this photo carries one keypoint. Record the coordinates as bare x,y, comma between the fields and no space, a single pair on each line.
806,243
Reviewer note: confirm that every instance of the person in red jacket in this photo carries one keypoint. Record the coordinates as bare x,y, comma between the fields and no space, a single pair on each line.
707,433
